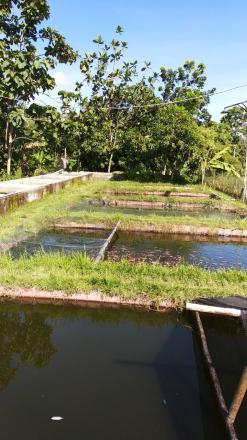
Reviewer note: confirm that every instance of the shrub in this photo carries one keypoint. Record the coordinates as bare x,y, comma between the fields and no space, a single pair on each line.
226,183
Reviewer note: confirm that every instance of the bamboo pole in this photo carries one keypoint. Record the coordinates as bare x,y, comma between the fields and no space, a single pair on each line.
238,397
212,371
106,244
244,321
228,311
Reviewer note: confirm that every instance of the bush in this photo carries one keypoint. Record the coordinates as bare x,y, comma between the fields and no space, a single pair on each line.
226,183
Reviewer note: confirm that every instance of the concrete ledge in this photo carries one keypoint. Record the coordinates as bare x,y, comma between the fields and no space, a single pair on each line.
84,299
14,193
181,206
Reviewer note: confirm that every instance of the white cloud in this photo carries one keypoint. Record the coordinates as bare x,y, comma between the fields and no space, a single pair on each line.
61,79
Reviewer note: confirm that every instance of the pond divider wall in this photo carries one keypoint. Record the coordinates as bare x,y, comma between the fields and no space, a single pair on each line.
135,204
107,243
235,234
166,193
89,299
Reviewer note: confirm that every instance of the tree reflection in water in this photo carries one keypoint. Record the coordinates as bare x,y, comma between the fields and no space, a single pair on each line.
25,338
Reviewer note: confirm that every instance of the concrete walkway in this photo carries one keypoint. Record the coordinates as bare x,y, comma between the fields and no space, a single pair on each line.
14,193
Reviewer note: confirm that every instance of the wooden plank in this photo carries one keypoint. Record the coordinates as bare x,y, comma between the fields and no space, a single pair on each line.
213,374
238,397
203,308
101,254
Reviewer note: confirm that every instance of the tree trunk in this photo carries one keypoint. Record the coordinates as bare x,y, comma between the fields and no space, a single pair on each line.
113,142
203,167
245,174
110,163
9,151
164,170
8,140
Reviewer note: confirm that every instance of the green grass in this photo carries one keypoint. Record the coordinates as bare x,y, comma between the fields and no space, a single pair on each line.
111,216
76,273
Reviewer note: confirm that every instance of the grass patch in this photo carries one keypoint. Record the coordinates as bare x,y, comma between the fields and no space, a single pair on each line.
77,273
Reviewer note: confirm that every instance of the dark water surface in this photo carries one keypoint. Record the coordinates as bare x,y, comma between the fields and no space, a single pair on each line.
111,374
170,250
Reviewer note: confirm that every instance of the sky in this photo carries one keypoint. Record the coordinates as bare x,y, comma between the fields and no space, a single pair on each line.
167,33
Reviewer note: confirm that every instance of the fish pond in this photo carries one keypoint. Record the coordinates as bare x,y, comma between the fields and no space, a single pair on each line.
113,374
164,249
72,241
169,250
204,213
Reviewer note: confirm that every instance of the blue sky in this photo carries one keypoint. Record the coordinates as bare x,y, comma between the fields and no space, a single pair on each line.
166,33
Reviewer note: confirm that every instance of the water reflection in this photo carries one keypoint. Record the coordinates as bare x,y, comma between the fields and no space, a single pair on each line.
110,373
25,339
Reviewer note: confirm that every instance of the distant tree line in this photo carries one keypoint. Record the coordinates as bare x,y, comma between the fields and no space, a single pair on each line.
121,115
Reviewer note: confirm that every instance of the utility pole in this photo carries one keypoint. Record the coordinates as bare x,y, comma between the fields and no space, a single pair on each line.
243,105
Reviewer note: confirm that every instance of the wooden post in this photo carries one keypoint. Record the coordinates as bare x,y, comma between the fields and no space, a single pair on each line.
106,244
212,371
238,398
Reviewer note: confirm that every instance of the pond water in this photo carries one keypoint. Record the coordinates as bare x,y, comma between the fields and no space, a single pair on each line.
111,374
170,250
72,241
167,212
165,249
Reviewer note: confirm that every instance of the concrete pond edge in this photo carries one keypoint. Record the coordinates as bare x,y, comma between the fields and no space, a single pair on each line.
207,231
90,299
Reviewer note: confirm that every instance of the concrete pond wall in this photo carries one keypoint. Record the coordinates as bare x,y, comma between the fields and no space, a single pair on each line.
14,193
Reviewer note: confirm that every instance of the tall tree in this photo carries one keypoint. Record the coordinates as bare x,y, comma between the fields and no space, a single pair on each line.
23,71
114,87
187,83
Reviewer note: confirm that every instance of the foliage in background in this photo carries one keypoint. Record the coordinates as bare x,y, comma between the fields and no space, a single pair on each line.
24,72
117,118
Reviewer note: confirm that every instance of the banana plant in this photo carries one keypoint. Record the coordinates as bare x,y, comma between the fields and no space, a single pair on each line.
219,162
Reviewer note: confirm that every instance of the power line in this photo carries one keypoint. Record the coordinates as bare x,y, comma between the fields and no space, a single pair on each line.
158,104
178,101
238,104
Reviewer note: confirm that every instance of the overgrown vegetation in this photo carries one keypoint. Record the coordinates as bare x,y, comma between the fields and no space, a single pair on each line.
121,115
231,185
